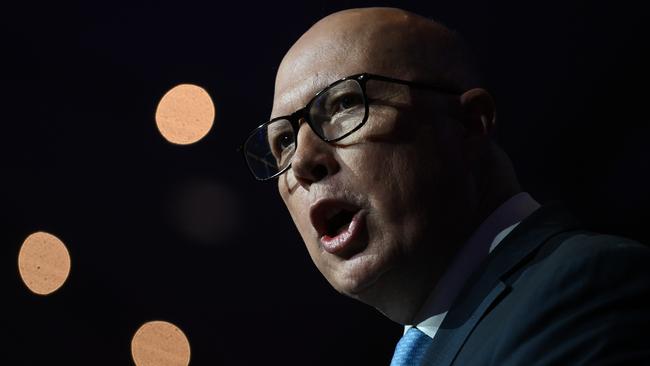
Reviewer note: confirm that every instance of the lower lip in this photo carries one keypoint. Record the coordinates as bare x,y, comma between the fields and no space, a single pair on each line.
338,243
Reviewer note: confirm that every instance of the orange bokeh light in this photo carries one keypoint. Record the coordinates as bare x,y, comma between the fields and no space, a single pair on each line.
185,114
160,343
43,263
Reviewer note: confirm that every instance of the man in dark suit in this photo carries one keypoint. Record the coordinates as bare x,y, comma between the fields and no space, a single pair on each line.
380,140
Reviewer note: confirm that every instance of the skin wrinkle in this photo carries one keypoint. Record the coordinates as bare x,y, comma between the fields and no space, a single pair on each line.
421,166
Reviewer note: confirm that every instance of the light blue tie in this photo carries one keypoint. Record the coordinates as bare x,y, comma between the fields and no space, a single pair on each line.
411,348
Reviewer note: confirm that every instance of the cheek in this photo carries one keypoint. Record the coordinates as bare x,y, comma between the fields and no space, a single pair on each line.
402,183
398,175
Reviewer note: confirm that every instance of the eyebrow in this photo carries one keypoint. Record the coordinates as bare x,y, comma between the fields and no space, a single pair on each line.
301,94
275,127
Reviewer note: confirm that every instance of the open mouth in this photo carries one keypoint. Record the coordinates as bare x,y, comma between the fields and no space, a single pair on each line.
331,216
337,224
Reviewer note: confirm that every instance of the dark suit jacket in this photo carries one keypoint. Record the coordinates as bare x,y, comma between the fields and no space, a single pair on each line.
552,294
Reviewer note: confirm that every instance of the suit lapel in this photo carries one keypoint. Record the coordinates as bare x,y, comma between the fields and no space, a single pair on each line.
448,341
488,285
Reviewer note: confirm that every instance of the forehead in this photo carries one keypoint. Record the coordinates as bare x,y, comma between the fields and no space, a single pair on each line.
320,58
303,75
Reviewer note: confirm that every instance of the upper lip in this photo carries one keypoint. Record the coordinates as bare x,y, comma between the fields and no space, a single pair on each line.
324,209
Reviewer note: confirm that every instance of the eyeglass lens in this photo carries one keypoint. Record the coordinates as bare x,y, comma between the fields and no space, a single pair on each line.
335,112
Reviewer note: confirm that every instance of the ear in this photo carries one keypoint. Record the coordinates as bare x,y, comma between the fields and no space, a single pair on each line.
478,116
478,112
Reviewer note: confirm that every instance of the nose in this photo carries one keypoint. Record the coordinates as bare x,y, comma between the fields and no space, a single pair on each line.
313,159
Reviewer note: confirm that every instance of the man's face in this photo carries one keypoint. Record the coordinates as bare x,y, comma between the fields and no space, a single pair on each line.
386,205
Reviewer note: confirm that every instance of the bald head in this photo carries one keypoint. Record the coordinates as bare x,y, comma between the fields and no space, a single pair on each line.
384,41
412,176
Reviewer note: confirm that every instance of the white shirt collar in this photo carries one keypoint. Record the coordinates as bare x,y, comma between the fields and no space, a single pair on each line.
493,230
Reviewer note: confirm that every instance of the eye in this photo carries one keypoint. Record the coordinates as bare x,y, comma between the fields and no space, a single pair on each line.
347,101
282,142
285,140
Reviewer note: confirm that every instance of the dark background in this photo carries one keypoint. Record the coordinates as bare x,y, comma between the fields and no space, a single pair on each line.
184,234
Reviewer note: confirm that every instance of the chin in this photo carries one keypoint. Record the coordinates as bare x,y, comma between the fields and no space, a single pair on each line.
360,277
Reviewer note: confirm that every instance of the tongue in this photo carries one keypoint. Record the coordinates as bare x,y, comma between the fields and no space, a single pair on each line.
343,228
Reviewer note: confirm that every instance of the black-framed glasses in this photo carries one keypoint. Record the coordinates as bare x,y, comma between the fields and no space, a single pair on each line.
333,114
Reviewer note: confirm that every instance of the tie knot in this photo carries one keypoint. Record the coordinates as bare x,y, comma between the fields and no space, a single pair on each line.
411,348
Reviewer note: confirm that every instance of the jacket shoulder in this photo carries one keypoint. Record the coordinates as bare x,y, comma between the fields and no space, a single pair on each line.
583,299
596,257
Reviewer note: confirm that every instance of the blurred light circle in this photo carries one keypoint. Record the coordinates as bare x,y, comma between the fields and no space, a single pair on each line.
185,114
43,263
160,343
205,212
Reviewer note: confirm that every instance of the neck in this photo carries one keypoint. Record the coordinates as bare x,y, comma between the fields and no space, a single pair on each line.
423,278
497,184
